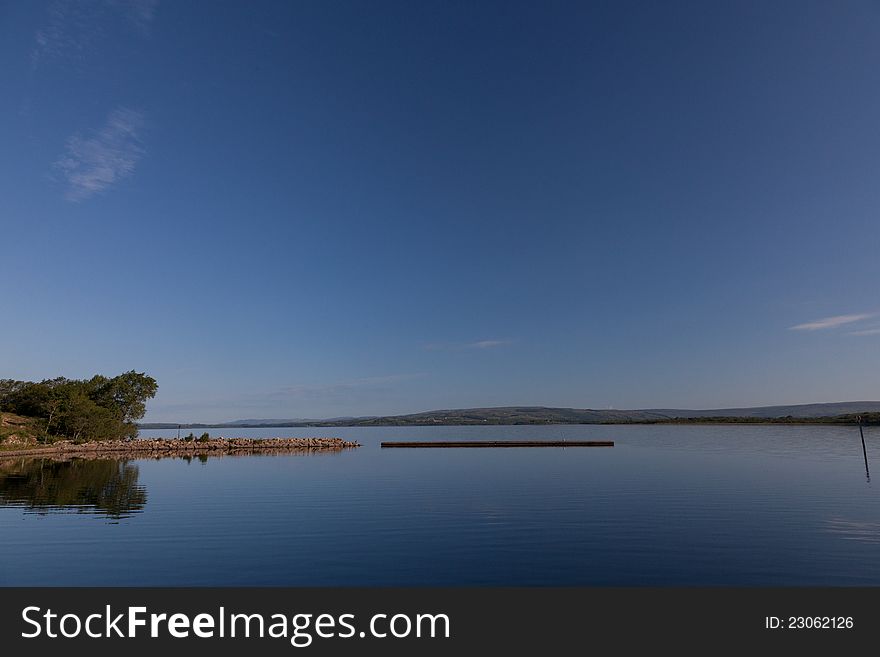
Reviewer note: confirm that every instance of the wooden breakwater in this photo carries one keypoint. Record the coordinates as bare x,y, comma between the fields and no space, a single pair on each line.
500,443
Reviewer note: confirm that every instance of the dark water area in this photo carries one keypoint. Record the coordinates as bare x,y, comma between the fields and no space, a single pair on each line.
667,505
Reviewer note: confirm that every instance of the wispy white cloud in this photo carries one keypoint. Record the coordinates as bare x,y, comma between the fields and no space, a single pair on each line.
351,397
831,322
457,346
139,13
870,331
69,30
94,163
488,344
340,387
73,26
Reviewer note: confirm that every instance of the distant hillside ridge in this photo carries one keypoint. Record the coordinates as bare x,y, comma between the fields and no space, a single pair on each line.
515,415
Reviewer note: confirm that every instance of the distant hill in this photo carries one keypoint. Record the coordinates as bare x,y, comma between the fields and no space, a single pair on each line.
513,415
796,411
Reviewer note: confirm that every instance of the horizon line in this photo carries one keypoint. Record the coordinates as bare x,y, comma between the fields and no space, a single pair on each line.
528,406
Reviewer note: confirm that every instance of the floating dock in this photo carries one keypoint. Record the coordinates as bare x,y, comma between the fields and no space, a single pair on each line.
503,443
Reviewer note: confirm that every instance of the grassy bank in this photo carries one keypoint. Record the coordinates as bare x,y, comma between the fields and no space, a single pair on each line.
17,430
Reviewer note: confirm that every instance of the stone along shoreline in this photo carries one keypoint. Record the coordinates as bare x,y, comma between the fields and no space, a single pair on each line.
178,447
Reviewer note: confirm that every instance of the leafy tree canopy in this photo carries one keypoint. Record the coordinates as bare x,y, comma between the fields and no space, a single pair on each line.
99,408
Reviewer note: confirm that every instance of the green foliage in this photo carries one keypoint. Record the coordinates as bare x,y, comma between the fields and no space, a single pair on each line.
126,393
99,408
201,439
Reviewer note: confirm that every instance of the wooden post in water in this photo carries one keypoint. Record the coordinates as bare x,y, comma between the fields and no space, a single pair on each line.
864,450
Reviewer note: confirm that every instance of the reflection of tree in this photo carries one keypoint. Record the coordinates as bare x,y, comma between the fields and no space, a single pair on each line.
107,487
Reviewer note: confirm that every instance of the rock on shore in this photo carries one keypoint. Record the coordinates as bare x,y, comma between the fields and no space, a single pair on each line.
175,447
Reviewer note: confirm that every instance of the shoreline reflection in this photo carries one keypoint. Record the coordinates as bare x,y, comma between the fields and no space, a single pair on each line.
104,487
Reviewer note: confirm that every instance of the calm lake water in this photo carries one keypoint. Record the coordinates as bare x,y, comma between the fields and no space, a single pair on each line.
668,505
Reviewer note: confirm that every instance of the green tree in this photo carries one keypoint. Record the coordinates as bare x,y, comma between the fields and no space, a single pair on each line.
80,418
127,393
99,408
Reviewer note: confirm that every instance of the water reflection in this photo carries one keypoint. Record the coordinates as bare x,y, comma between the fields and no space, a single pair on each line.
104,487
864,450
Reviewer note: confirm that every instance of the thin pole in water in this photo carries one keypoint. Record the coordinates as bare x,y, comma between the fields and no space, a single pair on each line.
178,432
864,450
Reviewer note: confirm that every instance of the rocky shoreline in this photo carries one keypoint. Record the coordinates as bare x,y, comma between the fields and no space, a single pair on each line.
143,448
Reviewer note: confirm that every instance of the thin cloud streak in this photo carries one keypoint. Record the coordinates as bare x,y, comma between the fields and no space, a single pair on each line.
488,344
458,346
92,164
139,13
307,400
831,322
332,389
73,26
871,331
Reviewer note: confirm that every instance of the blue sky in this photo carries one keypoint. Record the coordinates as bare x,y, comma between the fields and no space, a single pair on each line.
315,209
